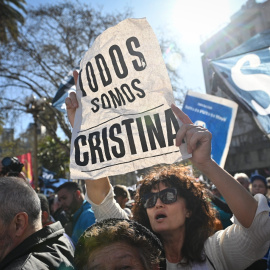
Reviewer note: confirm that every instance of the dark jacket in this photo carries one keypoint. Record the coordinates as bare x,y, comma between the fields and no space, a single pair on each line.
48,248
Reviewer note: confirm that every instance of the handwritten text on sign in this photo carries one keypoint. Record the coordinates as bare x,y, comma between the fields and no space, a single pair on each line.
124,121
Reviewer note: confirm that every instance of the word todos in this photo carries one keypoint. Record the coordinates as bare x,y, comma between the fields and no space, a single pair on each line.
118,96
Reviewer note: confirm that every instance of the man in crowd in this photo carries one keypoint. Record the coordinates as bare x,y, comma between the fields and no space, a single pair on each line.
243,179
258,184
122,196
24,244
72,202
57,213
224,213
45,210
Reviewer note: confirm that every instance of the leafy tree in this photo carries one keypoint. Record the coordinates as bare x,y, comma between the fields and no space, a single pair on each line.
53,157
173,56
52,41
10,147
10,17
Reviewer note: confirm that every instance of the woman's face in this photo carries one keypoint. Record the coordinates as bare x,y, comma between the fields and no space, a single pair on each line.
167,219
258,187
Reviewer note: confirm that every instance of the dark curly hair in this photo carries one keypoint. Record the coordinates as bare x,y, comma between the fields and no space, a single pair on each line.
199,226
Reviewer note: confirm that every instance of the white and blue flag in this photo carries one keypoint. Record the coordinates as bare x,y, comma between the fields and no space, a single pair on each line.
246,73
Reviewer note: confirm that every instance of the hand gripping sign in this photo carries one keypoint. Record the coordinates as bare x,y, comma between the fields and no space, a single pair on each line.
124,121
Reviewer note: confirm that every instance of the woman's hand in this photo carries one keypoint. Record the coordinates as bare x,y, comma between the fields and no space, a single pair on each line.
72,102
96,190
198,139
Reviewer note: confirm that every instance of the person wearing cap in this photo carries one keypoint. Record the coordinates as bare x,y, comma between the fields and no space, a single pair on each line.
258,184
118,244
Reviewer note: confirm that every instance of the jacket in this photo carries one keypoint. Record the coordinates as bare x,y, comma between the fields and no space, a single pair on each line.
48,248
82,219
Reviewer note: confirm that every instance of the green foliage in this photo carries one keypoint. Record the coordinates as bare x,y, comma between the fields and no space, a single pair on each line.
51,43
10,17
52,156
12,148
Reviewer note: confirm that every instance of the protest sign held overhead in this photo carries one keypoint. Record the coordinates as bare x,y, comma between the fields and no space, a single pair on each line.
217,115
124,121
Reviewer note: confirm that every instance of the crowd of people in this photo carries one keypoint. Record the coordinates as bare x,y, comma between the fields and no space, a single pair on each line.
173,222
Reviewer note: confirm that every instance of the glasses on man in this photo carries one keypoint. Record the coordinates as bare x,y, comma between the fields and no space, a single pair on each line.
167,196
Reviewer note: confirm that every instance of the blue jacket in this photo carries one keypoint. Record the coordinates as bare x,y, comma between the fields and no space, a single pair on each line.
81,220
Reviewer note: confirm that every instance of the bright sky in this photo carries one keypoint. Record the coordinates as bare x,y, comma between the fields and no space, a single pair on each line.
188,22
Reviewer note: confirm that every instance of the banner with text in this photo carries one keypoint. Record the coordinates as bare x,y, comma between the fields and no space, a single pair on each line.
217,115
124,121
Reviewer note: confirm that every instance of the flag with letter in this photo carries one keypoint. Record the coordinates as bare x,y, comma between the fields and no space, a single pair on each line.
246,73
124,121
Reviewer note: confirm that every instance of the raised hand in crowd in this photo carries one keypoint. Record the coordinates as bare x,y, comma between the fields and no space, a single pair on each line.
171,205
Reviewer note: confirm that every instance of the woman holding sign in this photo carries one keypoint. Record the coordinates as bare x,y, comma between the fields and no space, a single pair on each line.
172,206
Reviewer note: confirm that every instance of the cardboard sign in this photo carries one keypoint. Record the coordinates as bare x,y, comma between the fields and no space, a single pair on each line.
217,115
124,121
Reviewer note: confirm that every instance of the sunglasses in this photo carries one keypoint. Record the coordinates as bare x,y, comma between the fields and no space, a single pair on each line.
167,196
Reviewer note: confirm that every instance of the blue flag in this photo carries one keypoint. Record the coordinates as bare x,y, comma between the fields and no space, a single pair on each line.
246,73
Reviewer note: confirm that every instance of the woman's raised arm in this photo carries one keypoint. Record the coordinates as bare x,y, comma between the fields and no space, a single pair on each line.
96,190
198,139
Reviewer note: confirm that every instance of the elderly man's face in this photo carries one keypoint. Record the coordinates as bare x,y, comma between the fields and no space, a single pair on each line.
243,182
115,256
6,241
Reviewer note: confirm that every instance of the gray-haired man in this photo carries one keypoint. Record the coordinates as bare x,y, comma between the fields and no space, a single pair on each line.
24,244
